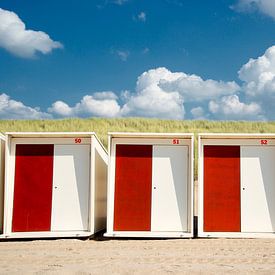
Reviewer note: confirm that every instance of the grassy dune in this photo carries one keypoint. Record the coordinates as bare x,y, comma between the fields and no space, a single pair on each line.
103,126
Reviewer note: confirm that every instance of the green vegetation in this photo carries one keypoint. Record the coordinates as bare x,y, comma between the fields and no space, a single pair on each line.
103,126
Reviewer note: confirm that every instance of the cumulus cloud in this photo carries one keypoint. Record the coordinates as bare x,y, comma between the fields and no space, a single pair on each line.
155,103
98,105
266,7
150,100
160,93
258,76
15,38
190,87
194,88
12,109
198,113
105,95
230,107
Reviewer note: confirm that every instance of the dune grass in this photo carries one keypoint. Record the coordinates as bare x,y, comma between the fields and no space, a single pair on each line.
103,126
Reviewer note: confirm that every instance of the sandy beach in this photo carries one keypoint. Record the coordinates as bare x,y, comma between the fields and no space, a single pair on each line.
213,256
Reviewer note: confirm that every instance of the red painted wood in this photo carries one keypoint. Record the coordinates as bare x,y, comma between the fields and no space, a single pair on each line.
32,203
222,202
133,183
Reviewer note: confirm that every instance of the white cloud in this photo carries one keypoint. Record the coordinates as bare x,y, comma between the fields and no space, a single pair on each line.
61,109
160,93
266,7
259,75
12,109
194,88
120,2
97,105
105,95
190,87
151,101
123,55
104,3
15,38
142,16
230,107
198,113
145,50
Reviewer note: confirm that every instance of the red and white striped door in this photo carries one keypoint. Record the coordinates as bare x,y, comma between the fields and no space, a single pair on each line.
151,188
51,188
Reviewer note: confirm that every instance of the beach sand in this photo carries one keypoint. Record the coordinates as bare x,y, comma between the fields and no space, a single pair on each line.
71,256
124,256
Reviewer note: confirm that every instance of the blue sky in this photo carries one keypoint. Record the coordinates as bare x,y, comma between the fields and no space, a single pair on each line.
175,59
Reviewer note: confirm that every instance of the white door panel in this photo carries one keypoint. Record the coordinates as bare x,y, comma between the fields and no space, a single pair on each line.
257,189
70,188
169,188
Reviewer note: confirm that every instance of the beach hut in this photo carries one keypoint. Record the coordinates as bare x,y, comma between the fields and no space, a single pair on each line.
236,185
2,175
55,185
150,185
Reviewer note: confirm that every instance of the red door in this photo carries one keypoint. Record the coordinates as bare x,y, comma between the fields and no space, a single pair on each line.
133,183
32,203
222,203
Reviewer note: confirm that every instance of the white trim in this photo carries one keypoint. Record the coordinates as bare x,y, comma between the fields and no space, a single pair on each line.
238,141
6,185
92,187
149,135
234,235
2,179
49,134
50,140
235,135
147,234
53,134
149,139
190,186
110,198
46,234
2,136
200,187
